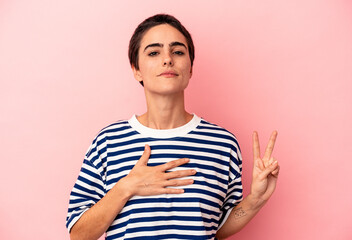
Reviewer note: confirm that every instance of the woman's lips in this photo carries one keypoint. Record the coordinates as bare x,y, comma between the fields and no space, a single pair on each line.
169,74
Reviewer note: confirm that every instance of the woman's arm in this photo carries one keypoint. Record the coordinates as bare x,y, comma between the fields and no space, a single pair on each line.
265,173
95,221
143,181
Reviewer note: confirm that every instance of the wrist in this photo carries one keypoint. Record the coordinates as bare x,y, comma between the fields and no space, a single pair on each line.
255,202
123,189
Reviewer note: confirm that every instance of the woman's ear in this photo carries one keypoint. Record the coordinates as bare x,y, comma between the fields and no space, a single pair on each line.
137,74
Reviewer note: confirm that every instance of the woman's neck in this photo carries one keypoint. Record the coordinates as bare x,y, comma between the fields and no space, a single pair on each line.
165,112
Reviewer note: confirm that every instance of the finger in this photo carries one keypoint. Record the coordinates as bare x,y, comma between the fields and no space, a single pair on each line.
256,147
268,170
270,147
275,173
175,183
179,174
269,162
171,191
259,163
145,156
172,164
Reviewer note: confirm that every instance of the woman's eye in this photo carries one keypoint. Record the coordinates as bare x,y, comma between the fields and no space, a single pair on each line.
153,53
178,53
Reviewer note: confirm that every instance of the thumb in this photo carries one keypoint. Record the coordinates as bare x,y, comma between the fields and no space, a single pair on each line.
268,170
145,156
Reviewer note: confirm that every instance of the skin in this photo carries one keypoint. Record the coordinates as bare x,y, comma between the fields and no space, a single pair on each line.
164,94
264,178
166,110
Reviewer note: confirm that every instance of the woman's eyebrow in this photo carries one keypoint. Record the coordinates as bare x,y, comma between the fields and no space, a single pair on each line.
177,44
153,45
172,44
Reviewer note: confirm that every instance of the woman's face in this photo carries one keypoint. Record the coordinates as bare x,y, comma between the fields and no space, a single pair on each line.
164,62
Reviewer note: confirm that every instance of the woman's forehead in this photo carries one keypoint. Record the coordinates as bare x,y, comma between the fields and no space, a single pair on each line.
164,34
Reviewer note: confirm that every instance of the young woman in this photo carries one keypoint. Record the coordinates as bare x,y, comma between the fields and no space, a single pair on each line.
166,174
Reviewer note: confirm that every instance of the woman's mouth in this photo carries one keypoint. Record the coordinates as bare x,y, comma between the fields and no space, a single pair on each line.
169,74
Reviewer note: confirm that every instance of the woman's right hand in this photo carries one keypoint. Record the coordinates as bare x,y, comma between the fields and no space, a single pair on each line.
144,180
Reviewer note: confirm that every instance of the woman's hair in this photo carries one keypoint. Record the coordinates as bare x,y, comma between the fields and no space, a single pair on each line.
147,24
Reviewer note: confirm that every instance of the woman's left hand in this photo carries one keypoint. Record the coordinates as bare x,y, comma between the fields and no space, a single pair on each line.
265,171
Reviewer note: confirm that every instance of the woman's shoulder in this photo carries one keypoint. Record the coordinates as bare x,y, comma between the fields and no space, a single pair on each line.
115,126
205,124
216,130
111,129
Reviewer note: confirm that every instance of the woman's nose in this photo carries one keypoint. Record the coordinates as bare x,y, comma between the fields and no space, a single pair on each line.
168,60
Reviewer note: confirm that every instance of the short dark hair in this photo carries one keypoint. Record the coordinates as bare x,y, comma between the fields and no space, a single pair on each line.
147,24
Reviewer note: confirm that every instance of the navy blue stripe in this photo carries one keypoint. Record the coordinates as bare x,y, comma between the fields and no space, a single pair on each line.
163,227
91,183
96,145
86,205
175,236
214,129
205,192
216,135
89,191
174,200
99,153
166,227
180,139
208,142
236,161
80,200
170,218
115,126
210,185
208,123
171,147
166,209
121,136
129,142
235,183
80,195
160,218
163,236
101,141
109,130
96,176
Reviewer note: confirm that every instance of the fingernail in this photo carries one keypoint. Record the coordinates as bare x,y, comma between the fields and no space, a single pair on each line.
274,163
186,160
194,171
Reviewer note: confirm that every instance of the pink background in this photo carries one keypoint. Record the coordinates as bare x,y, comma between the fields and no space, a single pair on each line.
260,65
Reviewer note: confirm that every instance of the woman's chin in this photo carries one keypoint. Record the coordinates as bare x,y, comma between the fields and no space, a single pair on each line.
167,89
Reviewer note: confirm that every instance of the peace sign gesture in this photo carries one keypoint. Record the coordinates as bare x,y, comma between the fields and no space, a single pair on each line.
265,170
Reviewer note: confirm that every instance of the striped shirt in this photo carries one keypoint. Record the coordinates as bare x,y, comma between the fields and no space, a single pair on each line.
195,214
